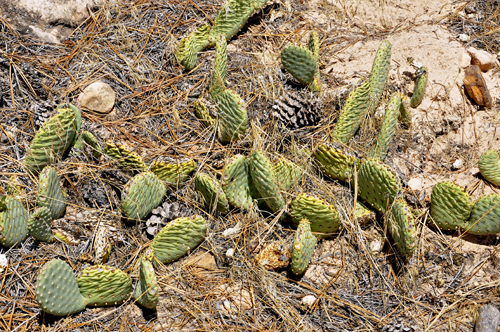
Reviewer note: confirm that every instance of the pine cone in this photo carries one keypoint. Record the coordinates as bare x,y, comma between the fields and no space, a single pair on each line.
41,113
297,109
165,213
399,325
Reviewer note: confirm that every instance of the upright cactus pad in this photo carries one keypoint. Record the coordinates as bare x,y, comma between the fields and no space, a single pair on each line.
323,217
287,173
147,292
402,228
39,225
175,172
190,46
212,193
103,285
378,184
485,216
379,73
265,182
303,247
236,181
450,206
217,85
202,113
13,221
141,195
336,161
57,290
232,116
50,193
302,64
178,237
87,137
128,160
489,166
419,88
53,139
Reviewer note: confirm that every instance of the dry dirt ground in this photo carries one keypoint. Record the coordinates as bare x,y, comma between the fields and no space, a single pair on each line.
356,286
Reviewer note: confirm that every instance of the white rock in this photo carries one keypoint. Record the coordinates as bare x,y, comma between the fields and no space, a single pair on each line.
97,97
415,184
465,60
4,262
457,164
227,304
375,246
232,231
483,59
463,37
309,300
230,252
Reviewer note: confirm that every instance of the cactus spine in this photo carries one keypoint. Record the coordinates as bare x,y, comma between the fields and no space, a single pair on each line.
303,247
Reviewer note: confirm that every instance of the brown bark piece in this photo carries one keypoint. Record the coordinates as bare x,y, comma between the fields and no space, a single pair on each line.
488,319
476,86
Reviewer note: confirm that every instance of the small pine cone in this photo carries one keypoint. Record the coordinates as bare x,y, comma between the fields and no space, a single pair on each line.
297,109
165,213
399,325
41,113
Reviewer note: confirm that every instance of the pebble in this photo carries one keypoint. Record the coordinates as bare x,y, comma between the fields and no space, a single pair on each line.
375,246
309,300
465,60
483,59
459,163
230,252
4,262
97,97
463,37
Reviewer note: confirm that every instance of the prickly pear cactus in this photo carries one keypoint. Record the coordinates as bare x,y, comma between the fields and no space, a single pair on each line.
364,215
147,292
101,244
402,228
53,139
88,138
13,221
336,161
217,85
13,187
57,291
212,193
485,216
287,173
232,117
173,173
323,217
489,166
379,73
450,206
103,285
378,184
39,225
265,182
303,247
127,160
190,46
202,113
422,75
50,193
178,237
236,181
302,64
141,195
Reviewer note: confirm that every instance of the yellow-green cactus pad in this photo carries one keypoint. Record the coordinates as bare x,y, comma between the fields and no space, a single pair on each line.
301,64
336,161
190,46
236,182
141,195
265,182
232,116
88,138
303,247
402,228
173,173
202,113
212,192
217,85
364,215
13,221
485,216
287,173
127,160
147,292
450,206
50,193
324,218
379,73
489,166
420,85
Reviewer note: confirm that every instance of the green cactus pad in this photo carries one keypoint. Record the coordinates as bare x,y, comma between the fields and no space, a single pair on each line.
313,44
420,85
353,113
336,161
147,292
173,173
13,187
39,225
212,193
50,193
303,247
265,182
378,184
178,237
379,73
489,166
402,228
88,138
103,285
13,222
232,116
202,113
53,139
101,244
324,218
141,195
300,63
127,160
236,182
450,206
190,46
57,290
287,173
217,85
485,216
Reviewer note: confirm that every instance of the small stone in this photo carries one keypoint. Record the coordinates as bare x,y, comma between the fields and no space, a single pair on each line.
227,304
309,300
230,252
476,87
459,163
463,37
465,60
483,59
415,184
375,246
4,262
98,97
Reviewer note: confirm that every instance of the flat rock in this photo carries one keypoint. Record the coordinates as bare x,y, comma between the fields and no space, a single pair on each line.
97,97
483,59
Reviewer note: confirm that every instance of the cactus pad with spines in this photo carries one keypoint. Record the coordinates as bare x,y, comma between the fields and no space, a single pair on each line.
217,85
39,225
202,113
88,138
450,206
147,292
287,173
378,184
420,85
57,291
303,247
265,182
127,160
232,116
302,64
489,166
103,285
379,73
336,161
141,195
13,221
178,237
173,173
485,216
324,218
190,46
236,181
50,193
212,193
53,139
402,228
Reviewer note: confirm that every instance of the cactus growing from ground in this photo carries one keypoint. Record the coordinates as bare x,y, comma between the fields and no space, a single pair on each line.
489,166
39,225
50,193
141,195
57,291
450,206
236,181
190,46
232,116
401,226
173,173
127,160
485,216
212,193
147,292
13,221
178,237
287,173
303,247
265,182
323,217
302,64
422,75
87,137
202,113
217,85
379,73
103,285
336,161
